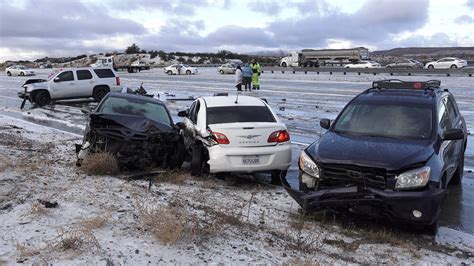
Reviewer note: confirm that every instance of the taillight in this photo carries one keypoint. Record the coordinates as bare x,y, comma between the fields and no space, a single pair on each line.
220,138
117,80
279,136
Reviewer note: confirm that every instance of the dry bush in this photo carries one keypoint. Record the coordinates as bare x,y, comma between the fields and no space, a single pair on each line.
166,224
95,222
38,209
173,176
26,252
300,262
75,239
102,163
302,235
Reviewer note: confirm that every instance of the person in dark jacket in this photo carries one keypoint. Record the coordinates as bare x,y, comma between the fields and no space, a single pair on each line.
247,73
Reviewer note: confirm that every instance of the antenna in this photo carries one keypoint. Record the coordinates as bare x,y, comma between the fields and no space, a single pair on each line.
237,98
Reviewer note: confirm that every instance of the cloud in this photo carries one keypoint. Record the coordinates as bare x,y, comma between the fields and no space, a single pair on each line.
465,19
470,3
176,7
373,22
436,40
266,7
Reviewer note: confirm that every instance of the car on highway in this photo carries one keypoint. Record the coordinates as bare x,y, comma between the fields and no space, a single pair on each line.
364,64
405,63
447,62
180,69
19,70
227,69
239,134
391,152
71,83
137,130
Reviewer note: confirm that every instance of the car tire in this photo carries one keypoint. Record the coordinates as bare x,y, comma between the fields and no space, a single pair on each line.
180,154
276,177
221,71
453,66
99,93
457,177
430,66
9,73
42,98
283,64
169,72
389,67
22,73
188,72
196,160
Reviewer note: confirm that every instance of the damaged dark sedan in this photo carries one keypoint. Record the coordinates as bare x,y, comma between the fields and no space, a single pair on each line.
391,153
138,130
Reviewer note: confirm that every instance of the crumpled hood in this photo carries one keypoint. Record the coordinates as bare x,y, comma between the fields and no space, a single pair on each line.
137,123
36,86
390,154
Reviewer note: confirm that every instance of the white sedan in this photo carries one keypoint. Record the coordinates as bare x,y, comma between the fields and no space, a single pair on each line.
19,70
235,134
179,69
447,62
364,64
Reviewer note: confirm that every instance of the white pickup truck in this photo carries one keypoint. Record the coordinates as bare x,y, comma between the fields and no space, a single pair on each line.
71,83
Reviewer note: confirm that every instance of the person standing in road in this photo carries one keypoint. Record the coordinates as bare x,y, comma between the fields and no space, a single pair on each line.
238,78
255,66
247,73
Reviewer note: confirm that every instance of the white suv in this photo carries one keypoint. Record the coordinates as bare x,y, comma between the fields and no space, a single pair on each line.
71,83
230,134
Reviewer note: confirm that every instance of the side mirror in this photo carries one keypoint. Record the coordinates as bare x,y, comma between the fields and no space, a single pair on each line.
325,123
183,113
453,134
56,79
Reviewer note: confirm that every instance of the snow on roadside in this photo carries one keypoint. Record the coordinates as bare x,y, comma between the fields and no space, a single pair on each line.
100,219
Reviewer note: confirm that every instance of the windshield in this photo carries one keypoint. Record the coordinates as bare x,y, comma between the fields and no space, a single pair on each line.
238,114
124,106
386,120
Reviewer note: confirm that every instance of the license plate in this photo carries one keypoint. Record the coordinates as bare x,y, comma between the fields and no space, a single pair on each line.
250,160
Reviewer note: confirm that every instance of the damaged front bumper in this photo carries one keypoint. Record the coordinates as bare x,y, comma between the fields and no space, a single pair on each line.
401,206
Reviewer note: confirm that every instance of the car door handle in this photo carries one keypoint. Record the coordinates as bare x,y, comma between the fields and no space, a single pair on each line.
71,83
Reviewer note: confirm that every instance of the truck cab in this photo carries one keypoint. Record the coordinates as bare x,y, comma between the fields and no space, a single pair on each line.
106,61
290,61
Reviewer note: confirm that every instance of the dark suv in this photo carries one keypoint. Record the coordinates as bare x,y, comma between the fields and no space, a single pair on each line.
391,152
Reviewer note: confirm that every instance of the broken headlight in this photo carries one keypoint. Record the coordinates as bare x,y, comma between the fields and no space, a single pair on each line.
308,166
414,178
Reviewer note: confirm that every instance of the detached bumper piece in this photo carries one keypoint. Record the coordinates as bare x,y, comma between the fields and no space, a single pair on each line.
413,207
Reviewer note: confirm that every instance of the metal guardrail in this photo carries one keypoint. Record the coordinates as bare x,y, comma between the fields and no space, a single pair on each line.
374,71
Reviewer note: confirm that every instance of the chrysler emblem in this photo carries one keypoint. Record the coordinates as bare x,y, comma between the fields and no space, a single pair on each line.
249,136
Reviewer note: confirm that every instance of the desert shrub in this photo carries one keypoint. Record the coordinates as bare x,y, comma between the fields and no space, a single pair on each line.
100,164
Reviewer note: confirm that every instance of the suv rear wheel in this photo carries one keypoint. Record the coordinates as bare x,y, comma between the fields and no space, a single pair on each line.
188,72
9,73
42,98
100,92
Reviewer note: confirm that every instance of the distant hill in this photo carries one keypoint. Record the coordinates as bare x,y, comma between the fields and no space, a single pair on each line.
426,51
423,54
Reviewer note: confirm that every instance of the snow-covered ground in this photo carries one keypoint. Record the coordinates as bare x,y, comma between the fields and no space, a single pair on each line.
103,219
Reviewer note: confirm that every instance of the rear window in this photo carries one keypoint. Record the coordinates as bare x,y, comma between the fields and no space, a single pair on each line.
125,106
238,114
104,73
83,74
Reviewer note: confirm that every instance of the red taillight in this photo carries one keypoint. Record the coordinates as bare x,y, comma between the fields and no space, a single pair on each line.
117,80
279,136
220,138
417,85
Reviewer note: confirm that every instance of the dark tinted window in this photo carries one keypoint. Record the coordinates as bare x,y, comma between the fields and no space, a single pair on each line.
150,110
83,74
233,114
65,76
443,117
385,120
104,73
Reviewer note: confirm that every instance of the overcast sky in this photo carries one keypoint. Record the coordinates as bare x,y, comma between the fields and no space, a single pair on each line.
30,29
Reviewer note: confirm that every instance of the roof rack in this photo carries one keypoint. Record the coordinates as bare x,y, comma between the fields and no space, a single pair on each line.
406,85
221,94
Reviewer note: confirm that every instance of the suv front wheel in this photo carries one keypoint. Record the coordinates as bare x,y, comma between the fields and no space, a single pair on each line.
42,98
100,92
